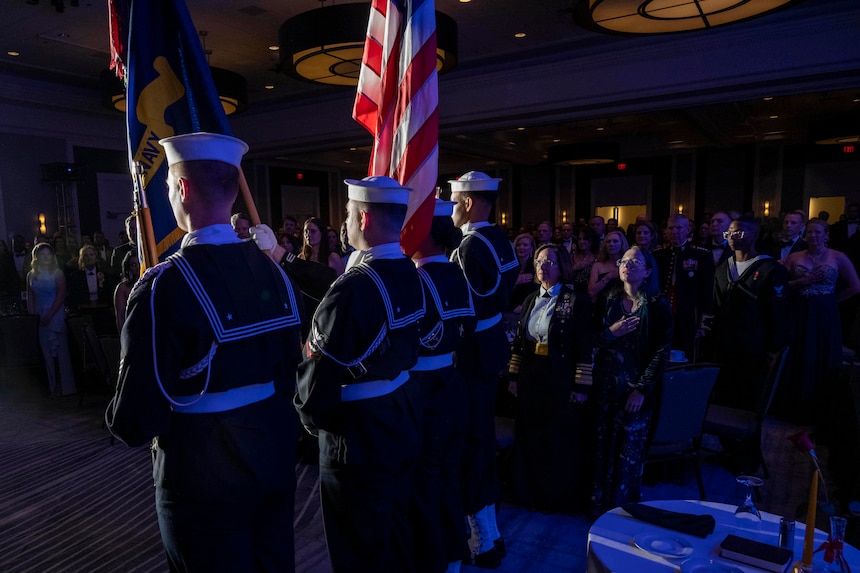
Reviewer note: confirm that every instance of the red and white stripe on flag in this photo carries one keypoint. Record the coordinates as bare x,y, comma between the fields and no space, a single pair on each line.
397,102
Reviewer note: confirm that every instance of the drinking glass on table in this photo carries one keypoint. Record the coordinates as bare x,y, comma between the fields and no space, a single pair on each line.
747,509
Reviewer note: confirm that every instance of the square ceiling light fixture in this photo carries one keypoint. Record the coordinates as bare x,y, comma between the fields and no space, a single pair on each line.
668,16
325,45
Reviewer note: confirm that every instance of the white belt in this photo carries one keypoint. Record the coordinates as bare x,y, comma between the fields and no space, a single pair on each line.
228,400
488,322
372,389
437,362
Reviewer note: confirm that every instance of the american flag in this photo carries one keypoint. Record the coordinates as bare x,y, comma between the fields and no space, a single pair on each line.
397,102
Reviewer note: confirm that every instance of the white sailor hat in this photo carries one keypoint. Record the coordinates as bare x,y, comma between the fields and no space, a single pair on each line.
474,181
377,189
443,208
204,146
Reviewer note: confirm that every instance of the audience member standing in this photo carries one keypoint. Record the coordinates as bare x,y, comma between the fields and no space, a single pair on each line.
687,281
315,246
543,233
632,353
118,255
103,250
604,272
524,247
752,323
791,239
824,277
241,225
752,316
598,225
209,354
550,353
46,295
717,242
88,284
645,235
355,391
490,265
130,272
583,256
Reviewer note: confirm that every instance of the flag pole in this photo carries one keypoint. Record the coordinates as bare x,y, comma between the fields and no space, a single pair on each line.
249,201
144,219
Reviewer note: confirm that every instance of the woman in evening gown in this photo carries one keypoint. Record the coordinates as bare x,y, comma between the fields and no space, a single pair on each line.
46,294
822,277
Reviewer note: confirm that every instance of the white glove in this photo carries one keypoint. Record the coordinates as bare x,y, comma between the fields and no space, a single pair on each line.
264,237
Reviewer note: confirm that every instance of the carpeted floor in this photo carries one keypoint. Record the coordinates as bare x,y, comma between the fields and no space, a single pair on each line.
71,501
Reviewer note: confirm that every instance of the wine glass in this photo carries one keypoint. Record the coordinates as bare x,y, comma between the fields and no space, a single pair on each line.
747,509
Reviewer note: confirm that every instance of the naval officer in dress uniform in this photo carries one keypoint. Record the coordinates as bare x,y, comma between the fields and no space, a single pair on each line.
210,348
437,516
490,265
355,390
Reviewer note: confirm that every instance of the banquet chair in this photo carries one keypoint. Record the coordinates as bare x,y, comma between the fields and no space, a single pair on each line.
682,402
744,426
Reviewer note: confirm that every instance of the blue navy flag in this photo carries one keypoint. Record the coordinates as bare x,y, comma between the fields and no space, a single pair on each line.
169,91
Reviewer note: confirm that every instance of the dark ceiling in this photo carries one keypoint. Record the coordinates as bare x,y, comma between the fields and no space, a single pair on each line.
72,45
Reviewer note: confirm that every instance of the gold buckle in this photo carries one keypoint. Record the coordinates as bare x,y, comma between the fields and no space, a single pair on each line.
541,349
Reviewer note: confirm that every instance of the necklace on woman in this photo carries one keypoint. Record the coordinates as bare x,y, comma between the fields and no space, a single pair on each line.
817,256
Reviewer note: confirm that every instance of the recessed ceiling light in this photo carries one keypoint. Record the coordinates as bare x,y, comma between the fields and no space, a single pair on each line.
520,35
856,99
521,129
676,142
274,48
465,1
556,140
774,117
600,128
768,98
269,87
352,149
13,53
347,161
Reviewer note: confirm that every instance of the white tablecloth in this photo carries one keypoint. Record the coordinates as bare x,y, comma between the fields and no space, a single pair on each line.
611,548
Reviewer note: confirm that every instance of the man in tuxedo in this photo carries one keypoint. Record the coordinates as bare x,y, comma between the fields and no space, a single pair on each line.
598,225
544,233
793,225
567,239
103,250
686,274
719,244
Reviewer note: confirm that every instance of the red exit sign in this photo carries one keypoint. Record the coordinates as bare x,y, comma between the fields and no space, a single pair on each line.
847,149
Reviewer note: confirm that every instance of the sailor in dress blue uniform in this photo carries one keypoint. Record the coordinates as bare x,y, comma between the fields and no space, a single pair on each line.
210,348
355,390
490,265
437,516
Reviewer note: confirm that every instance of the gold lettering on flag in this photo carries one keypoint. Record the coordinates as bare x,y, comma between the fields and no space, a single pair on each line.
154,99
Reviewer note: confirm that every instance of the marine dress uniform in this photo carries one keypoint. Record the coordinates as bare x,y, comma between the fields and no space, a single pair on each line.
687,281
490,266
355,391
439,527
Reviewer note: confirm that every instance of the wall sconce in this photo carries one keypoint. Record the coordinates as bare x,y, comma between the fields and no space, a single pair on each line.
564,216
42,228
504,218
767,208
681,209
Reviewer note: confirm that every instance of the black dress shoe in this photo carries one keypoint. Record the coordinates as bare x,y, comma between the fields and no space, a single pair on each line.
499,546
